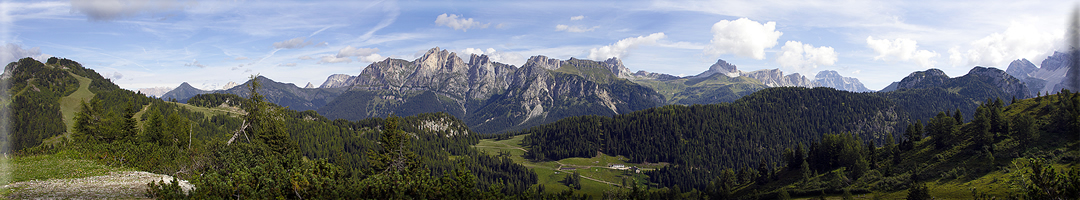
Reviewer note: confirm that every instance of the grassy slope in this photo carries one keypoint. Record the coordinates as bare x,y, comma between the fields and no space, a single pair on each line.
70,104
45,167
549,175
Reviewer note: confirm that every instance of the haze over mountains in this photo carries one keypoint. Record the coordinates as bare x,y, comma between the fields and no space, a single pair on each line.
491,96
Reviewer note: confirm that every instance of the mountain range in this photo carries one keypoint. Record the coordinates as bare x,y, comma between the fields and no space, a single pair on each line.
493,97
1049,78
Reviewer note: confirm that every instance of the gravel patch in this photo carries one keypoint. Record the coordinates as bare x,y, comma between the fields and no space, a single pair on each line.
116,185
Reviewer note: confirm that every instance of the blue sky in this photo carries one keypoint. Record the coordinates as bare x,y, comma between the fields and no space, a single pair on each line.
145,44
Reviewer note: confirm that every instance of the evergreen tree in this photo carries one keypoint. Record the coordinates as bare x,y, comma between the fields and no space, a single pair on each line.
266,122
959,117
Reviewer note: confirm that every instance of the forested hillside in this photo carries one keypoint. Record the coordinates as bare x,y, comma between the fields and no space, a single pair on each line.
785,142
248,136
729,135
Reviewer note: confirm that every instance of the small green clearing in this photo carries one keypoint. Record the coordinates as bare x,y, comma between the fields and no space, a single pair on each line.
597,176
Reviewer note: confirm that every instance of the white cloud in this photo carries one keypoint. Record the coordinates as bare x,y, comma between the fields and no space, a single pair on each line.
1020,40
294,43
13,52
805,57
955,57
573,29
334,59
372,58
290,64
346,54
115,9
495,56
306,58
462,24
195,63
857,71
579,17
902,49
743,37
241,58
620,48
349,51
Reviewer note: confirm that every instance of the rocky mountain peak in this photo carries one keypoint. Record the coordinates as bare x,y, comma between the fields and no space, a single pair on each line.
309,85
436,59
1009,84
475,59
336,81
618,68
833,79
229,85
542,62
930,77
776,78
722,67
1021,68
1056,61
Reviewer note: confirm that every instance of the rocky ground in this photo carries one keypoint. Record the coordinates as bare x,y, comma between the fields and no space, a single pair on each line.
116,185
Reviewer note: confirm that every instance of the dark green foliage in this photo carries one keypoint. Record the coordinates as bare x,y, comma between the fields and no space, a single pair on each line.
572,180
919,192
35,92
839,150
700,138
944,129
215,99
1045,182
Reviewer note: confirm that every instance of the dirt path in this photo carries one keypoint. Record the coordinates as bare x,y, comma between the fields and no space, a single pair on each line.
116,185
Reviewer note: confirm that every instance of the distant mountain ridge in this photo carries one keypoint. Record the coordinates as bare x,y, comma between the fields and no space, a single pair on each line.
493,97
489,96
1050,77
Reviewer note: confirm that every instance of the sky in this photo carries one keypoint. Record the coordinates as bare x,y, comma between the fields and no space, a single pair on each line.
148,44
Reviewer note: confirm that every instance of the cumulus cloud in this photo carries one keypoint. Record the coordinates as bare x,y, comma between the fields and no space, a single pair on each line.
579,17
334,59
13,52
998,49
743,37
805,57
495,56
371,58
115,9
620,48
573,29
195,63
453,21
294,43
901,49
349,51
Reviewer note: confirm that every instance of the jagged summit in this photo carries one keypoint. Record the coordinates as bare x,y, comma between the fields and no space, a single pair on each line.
1021,68
337,81
917,79
833,79
722,67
